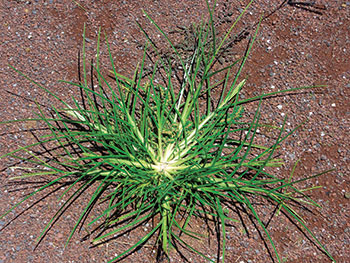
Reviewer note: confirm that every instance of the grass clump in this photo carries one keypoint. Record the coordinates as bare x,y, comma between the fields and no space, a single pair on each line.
159,148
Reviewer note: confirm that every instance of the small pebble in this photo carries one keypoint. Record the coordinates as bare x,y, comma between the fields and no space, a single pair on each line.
279,107
347,195
333,105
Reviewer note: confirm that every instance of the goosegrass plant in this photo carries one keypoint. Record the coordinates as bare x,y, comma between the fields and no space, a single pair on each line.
161,148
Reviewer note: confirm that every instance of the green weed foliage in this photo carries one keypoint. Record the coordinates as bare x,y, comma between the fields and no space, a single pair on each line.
150,150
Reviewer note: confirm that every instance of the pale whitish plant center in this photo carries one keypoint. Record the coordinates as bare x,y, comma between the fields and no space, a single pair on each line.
163,167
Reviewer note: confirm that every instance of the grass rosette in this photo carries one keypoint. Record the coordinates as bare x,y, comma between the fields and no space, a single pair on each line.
152,151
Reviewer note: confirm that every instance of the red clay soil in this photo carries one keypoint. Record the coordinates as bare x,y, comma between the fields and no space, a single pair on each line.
297,45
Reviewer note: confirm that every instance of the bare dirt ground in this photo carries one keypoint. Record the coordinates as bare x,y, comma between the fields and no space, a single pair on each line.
297,45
